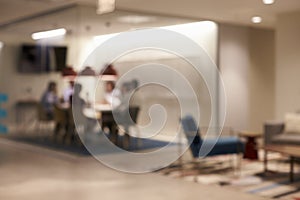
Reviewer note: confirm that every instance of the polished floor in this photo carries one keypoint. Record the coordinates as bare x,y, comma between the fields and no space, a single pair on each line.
30,172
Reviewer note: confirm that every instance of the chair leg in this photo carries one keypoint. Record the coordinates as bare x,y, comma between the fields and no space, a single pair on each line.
38,128
50,124
234,163
67,133
139,140
41,131
56,131
35,126
238,164
126,141
42,127
113,134
72,132
196,166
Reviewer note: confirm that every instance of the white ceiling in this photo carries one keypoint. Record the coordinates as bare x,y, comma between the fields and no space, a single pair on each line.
11,10
83,20
227,11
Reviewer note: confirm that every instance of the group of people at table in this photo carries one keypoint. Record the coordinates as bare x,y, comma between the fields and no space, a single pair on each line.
116,102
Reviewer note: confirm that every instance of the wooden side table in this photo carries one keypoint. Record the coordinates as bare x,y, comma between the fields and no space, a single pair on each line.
251,150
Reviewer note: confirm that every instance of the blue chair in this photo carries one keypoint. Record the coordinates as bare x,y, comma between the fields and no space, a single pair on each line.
3,97
219,146
3,113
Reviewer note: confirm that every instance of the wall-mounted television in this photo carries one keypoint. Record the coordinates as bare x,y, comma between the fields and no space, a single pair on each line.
42,58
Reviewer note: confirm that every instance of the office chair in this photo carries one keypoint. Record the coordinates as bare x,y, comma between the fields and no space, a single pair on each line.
43,121
131,123
61,122
219,146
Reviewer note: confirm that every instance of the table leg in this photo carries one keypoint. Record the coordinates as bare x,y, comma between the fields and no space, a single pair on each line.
265,161
292,169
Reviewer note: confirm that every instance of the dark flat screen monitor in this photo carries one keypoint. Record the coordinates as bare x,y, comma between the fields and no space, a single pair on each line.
42,59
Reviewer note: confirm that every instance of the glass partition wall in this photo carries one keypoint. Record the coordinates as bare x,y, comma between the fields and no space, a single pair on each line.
27,65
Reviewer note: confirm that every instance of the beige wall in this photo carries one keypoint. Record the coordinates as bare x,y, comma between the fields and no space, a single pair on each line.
247,68
287,64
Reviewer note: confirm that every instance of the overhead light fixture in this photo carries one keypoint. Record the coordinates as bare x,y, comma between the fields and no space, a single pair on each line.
256,19
49,34
69,72
109,73
268,2
88,71
106,6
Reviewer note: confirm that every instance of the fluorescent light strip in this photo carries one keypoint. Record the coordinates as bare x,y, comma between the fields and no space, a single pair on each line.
49,34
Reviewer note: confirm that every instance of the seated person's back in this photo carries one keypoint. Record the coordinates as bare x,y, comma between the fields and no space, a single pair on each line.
49,99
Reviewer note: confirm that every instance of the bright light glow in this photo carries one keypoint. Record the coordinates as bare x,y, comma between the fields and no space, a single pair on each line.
1,44
106,6
135,19
202,32
48,34
108,78
268,2
189,28
99,39
256,19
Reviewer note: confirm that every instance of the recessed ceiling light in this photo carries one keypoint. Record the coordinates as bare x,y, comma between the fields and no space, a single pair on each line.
135,19
106,6
268,2
49,34
256,19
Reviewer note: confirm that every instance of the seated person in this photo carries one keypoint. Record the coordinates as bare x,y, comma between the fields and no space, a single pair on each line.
78,103
49,99
75,115
112,95
121,112
68,92
127,90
